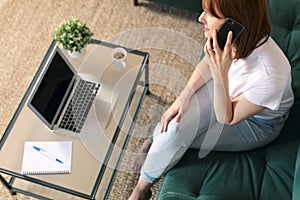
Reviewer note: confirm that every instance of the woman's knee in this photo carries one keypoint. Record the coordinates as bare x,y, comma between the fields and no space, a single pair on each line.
172,138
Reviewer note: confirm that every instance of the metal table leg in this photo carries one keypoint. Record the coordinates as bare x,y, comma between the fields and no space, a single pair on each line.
7,185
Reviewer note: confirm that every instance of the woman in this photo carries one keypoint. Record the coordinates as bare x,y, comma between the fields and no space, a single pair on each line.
237,99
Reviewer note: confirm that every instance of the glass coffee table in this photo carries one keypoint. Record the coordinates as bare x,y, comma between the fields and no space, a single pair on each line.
95,156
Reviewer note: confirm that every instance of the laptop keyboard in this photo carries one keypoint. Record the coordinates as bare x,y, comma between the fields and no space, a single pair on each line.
79,106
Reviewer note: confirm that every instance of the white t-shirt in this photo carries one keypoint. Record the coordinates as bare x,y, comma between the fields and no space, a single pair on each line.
264,78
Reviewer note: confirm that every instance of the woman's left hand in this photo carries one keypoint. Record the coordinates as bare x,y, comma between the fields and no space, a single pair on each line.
220,61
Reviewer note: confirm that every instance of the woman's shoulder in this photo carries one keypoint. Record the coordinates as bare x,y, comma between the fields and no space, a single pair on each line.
269,55
269,50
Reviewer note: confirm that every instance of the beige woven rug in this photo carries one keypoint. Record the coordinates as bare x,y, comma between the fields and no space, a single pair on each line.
172,37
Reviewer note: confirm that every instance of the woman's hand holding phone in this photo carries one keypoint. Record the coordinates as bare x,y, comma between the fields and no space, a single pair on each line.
220,60
219,47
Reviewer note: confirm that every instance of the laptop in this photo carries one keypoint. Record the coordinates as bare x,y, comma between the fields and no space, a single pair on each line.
62,98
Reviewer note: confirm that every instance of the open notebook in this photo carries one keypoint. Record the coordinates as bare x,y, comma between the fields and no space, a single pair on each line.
50,157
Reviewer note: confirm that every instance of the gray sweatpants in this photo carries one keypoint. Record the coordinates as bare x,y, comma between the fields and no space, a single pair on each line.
199,129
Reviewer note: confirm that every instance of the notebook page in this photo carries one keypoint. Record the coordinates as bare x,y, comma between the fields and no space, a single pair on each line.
47,157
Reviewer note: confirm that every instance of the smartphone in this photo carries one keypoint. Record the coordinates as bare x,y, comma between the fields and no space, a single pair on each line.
228,25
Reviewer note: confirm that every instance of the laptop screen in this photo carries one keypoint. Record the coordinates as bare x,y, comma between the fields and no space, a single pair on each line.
51,92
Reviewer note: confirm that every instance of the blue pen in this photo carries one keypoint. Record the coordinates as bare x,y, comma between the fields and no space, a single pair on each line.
45,153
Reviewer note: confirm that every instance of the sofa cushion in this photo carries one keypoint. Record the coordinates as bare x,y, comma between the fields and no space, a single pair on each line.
296,187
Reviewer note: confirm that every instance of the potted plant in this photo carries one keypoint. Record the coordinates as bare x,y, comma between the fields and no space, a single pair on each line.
73,35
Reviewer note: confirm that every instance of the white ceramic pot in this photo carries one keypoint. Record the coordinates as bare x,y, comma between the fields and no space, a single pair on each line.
76,54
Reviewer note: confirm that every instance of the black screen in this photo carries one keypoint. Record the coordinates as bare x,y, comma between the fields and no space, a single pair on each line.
52,88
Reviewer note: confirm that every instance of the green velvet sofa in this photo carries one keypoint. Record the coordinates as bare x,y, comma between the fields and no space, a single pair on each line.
267,173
